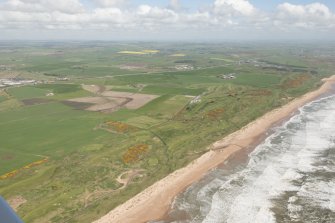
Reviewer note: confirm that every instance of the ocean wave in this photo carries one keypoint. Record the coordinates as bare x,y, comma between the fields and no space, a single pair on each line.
290,177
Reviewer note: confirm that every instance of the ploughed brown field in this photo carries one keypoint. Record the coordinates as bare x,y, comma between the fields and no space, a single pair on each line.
111,101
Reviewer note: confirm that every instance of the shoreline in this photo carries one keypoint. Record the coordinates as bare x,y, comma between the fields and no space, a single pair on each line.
154,202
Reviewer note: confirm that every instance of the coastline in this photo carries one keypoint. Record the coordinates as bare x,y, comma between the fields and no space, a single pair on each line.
155,201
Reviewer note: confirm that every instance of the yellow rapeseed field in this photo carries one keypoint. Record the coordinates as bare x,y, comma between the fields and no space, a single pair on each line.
178,55
143,52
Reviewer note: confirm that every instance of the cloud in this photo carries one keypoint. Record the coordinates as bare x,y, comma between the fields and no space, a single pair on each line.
48,12
315,15
233,7
146,11
65,6
107,15
221,17
109,3
310,11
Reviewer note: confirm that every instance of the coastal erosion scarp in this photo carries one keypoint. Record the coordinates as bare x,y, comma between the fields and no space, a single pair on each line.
155,201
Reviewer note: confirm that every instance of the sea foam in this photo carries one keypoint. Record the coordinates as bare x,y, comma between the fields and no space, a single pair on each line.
290,177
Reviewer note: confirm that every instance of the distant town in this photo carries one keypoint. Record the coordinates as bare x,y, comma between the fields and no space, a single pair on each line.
16,82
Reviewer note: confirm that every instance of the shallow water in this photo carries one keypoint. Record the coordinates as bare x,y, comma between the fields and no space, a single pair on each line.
289,177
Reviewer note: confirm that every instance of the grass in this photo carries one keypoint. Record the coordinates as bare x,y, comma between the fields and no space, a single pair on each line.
60,88
165,107
143,121
9,104
13,160
223,59
3,98
27,92
156,89
84,158
38,130
60,91
257,80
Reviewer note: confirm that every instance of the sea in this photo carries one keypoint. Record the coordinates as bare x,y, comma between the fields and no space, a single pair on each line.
288,177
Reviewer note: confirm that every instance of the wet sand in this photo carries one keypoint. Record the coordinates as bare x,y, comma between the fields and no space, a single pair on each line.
155,201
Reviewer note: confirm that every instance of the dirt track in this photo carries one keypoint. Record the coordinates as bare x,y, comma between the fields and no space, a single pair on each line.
124,179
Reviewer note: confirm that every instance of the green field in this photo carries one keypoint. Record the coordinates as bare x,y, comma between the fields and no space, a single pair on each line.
86,151
3,98
27,92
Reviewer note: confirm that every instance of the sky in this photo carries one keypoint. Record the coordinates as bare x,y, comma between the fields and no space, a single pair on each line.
164,20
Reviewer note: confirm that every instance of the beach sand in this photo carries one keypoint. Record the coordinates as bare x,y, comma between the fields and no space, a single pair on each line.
155,201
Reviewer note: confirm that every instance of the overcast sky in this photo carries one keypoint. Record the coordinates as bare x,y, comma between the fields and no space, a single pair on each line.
167,19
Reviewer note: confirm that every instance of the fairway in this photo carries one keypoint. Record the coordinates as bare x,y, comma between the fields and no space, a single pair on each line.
166,106
258,80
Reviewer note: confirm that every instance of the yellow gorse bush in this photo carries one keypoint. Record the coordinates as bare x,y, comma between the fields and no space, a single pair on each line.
118,126
134,153
30,165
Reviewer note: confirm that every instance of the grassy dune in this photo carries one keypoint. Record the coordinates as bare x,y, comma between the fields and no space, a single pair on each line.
88,151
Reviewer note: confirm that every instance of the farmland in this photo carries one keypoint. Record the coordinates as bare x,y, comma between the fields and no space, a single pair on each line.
68,158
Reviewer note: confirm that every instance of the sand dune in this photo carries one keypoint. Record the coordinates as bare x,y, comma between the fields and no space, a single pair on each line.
155,201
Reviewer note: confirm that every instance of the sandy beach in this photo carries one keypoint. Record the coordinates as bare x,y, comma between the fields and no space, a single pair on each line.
155,201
